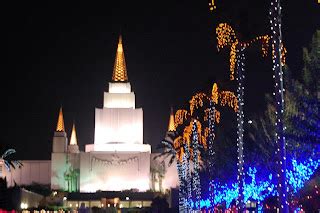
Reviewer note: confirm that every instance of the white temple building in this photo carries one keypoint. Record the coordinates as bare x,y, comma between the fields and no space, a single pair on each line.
118,159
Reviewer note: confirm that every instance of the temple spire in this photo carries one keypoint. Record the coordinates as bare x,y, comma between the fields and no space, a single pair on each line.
119,68
60,124
171,126
73,139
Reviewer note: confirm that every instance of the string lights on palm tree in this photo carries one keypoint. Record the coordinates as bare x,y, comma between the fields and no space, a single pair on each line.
195,136
277,59
172,150
212,5
226,37
187,146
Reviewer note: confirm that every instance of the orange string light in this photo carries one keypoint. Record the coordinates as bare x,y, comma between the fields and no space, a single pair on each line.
214,93
223,98
228,98
197,101
180,117
226,37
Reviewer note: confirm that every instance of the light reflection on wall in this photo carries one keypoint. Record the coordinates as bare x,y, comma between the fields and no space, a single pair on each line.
117,183
119,96
119,126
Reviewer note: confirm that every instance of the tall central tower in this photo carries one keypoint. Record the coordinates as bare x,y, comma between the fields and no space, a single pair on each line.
118,154
119,124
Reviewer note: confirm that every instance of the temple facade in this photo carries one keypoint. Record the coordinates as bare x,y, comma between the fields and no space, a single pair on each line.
118,159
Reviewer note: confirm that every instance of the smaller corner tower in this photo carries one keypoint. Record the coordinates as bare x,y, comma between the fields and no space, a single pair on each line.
59,155
73,146
171,126
60,140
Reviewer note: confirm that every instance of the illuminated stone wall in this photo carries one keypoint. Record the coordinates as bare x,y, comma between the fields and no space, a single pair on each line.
114,125
169,173
113,171
58,168
119,96
32,171
118,121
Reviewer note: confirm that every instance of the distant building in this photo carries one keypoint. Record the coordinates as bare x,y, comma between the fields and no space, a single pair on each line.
118,159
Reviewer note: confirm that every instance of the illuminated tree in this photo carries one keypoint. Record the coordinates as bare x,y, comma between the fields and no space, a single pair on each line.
211,151
188,144
195,157
277,55
302,133
173,152
307,122
202,110
226,37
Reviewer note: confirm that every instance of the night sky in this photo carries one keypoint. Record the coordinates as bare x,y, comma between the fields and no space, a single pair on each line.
63,54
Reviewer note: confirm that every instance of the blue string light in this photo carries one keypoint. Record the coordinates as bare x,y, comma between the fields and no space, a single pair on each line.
196,167
259,186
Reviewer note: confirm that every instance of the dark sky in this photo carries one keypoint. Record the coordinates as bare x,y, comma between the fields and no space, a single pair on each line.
63,54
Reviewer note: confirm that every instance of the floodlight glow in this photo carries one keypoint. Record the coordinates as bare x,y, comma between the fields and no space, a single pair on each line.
122,184
23,205
119,148
118,126
119,88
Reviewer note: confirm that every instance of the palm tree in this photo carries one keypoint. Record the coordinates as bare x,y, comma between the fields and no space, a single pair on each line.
8,162
174,151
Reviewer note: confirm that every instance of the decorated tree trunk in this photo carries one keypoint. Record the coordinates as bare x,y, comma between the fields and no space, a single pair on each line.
240,129
196,167
275,21
211,152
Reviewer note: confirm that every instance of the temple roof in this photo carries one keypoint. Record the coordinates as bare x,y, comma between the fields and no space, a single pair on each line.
73,139
60,124
119,68
171,126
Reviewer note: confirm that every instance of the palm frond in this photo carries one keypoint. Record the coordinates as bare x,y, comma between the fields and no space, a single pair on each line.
7,165
18,163
7,153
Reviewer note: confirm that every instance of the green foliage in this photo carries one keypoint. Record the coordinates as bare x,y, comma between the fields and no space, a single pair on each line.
160,205
38,188
296,93
311,69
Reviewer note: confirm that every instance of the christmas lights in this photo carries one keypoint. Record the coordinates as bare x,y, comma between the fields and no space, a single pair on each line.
212,5
260,185
277,59
196,167
240,129
226,37
230,99
180,117
187,145
211,152
197,101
